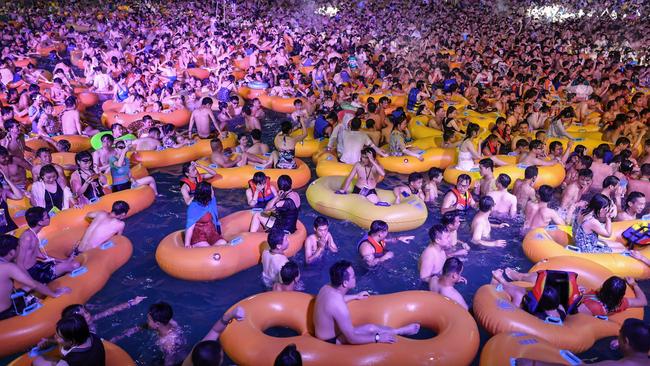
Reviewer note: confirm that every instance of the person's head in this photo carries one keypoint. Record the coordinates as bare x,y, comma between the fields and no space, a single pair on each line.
472,130
545,193
216,145
289,273
536,147
207,353
286,127
342,275
107,141
37,216
76,309
463,182
450,220
531,172
159,315
612,292
355,124
435,175
48,174
203,193
598,206
611,182
453,268
278,239
378,229
72,331
645,170
84,160
550,299
436,233
120,209
503,181
486,166
635,202
634,336
206,102
256,135
485,204
284,183
415,180
626,167
366,153
288,357
321,226
585,177
8,247
556,148
44,155
522,145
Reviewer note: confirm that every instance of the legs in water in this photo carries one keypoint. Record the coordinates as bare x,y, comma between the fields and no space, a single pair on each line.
520,276
516,293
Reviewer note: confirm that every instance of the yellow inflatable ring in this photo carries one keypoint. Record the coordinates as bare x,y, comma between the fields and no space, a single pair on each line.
432,157
411,213
213,263
419,127
455,344
309,146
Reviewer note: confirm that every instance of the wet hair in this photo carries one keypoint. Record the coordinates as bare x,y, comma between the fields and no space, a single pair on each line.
256,134
207,353
452,265
504,180
203,193
206,101
7,244
633,196
587,173
47,169
435,231
74,309
472,130
554,144
637,333
449,217
626,166
487,163
161,312
120,208
463,178
355,124
73,329
41,151
612,292
34,215
485,204
535,144
415,177
377,226
284,183
586,161
545,193
339,273
155,131
289,272
622,141
275,237
289,356
610,181
320,221
259,178
597,203
108,138
368,150
521,143
78,157
434,173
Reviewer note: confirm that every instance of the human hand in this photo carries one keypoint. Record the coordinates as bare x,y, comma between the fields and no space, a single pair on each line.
636,255
387,256
386,338
630,281
237,313
362,295
62,291
462,280
500,243
614,344
137,300
405,239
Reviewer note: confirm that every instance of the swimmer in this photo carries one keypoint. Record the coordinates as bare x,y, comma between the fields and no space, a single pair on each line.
505,203
434,255
208,351
413,187
487,183
103,227
536,155
573,193
202,117
170,338
321,240
289,277
372,246
431,187
274,258
332,321
459,197
367,173
538,214
481,226
634,206
524,189
443,284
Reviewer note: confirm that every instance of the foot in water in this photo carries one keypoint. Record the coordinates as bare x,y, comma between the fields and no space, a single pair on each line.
513,274
497,275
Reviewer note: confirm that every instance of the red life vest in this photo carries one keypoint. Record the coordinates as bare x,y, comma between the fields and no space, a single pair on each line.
266,194
191,184
462,200
378,246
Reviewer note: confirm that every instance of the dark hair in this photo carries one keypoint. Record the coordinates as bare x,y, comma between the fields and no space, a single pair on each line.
472,129
275,238
414,177
612,292
626,166
259,178
82,155
545,193
597,203
320,221
289,272
587,173
206,101
120,208
74,309
289,357
449,217
7,244
550,299
632,197
355,124
47,169
161,312
207,353
452,265
377,226
531,172
486,163
435,231
554,144
286,127
504,180
284,183
434,173
339,272
535,144
256,134
34,215
611,180
485,204
73,329
463,178
637,333
42,150
203,193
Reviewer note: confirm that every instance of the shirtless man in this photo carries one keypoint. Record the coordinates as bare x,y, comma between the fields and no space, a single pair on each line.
372,247
481,226
413,187
634,206
524,189
289,277
573,193
102,157
353,141
487,183
459,197
434,255
258,147
219,158
150,142
14,168
70,121
536,155
614,188
368,172
250,121
14,140
33,258
319,241
202,117
431,187
505,203
11,273
450,220
300,114
101,82
104,226
538,214
443,284
332,319
44,156
274,258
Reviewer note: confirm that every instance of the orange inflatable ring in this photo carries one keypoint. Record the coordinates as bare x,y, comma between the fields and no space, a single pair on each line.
493,310
23,62
45,51
78,143
554,241
505,348
248,93
115,356
213,263
432,156
111,106
277,104
76,59
198,73
455,344
179,117
238,177
22,331
174,156
87,98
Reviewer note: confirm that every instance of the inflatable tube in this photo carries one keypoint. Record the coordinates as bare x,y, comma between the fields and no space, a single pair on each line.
24,61
554,241
78,143
249,93
309,146
578,332
76,59
455,343
398,100
484,120
96,140
238,177
115,356
411,213
198,73
327,164
432,157
550,175
174,156
257,85
505,348
580,139
277,104
87,98
111,106
242,63
243,251
22,331
455,100
45,51
179,117
419,127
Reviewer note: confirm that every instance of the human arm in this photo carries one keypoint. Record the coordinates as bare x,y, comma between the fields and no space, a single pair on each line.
190,126
237,313
348,180
640,257
368,253
477,238
377,166
341,316
639,299
185,192
14,193
214,123
312,250
188,236
303,133
20,275
331,245
397,191
118,308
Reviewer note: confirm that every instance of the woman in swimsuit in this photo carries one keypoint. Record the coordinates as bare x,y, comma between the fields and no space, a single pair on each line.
595,220
285,208
48,193
87,184
284,157
398,138
202,228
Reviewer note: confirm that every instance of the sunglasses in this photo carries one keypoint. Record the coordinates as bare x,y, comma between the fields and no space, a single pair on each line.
85,160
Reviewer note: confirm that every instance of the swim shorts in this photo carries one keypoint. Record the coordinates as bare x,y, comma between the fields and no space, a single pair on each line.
43,272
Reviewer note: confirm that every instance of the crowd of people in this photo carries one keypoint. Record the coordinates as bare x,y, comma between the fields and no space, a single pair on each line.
538,76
